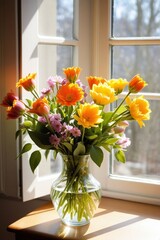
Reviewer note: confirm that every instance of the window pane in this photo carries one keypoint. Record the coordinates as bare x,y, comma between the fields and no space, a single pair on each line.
56,18
143,153
52,58
50,167
130,60
136,18
65,18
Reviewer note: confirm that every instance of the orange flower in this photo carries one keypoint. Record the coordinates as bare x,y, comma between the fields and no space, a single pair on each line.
40,107
136,84
95,80
28,83
103,94
118,84
69,94
139,109
72,73
88,115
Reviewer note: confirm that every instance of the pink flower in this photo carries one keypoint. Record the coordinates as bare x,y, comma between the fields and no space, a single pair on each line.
52,81
75,132
45,91
54,117
16,110
124,142
54,140
57,126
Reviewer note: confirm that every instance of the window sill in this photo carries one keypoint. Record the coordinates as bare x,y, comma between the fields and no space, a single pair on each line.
115,219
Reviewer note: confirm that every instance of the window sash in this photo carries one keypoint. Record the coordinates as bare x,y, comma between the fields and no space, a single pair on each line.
35,185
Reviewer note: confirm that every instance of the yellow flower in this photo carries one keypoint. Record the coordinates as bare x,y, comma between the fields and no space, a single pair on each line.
139,109
103,94
118,84
72,73
88,115
136,84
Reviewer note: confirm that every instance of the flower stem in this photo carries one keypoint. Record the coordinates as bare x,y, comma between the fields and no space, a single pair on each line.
119,106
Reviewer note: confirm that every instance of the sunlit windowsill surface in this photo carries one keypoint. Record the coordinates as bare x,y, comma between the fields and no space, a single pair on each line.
115,220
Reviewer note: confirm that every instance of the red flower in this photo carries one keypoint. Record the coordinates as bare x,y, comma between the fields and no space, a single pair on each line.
9,99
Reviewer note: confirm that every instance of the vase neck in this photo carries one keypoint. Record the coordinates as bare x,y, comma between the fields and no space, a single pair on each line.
78,163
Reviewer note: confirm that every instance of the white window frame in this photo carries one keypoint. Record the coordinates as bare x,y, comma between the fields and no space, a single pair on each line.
134,189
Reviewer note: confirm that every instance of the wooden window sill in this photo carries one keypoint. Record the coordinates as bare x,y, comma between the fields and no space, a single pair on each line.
115,220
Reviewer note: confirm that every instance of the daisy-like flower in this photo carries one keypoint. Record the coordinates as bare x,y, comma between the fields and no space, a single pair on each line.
72,73
28,82
69,94
88,115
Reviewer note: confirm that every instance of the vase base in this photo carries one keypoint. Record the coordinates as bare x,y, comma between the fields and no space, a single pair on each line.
75,223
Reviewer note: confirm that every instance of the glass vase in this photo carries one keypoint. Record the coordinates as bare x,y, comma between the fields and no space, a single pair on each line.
76,193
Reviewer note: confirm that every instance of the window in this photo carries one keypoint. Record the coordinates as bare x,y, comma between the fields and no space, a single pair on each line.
104,38
133,45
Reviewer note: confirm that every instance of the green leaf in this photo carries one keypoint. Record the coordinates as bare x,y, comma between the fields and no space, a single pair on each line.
80,149
34,160
41,140
18,133
111,141
29,102
91,137
47,151
106,117
96,155
27,147
106,147
120,156
68,146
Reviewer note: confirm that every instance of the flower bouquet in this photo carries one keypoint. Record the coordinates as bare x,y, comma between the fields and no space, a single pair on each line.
69,119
